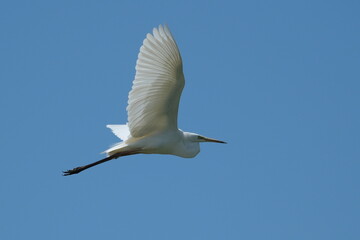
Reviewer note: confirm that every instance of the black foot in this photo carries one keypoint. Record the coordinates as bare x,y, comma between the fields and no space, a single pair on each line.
73,171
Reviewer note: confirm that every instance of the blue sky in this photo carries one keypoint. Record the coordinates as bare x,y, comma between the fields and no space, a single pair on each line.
278,80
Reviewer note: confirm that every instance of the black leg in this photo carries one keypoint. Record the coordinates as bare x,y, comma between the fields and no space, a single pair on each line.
82,168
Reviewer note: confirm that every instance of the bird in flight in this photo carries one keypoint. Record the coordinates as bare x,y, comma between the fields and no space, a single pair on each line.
153,105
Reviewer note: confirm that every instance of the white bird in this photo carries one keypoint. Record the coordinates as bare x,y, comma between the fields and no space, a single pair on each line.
153,105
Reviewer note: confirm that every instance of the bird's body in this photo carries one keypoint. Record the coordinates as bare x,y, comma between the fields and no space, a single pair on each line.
153,105
166,142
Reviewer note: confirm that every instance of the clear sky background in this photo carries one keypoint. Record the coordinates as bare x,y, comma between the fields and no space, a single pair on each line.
278,80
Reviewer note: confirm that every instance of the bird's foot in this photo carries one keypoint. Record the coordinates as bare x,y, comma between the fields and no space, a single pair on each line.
73,171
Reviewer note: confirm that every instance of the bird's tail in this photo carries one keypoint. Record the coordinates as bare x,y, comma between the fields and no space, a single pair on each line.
122,132
117,147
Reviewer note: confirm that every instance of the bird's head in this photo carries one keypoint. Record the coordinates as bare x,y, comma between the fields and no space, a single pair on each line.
198,138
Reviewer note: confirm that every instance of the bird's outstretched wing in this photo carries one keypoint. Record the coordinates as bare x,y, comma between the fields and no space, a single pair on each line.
154,98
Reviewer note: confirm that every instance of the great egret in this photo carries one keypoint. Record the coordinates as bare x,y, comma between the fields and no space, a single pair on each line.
153,105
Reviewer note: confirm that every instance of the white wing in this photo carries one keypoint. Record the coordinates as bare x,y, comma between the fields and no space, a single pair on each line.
154,98
121,131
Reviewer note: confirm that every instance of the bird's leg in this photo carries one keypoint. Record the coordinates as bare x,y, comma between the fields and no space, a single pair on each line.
82,168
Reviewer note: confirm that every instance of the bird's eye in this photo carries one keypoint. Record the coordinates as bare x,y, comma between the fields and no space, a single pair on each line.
200,137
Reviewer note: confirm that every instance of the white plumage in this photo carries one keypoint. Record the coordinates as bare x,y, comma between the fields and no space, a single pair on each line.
159,80
153,105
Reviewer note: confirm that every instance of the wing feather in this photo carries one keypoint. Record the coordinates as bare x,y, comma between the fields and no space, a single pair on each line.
154,98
